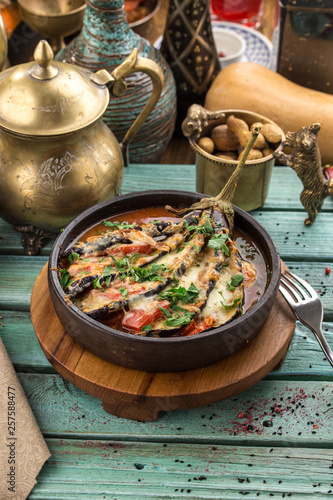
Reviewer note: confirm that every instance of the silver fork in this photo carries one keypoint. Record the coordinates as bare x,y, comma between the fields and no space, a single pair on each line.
307,307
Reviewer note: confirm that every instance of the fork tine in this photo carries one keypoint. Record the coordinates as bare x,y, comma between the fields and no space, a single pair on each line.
293,291
313,294
289,298
295,286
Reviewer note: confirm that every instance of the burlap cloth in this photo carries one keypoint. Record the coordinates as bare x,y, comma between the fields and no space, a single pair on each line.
23,450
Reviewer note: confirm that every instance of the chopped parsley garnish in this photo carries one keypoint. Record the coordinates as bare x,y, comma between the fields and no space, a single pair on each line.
218,242
192,293
175,279
208,228
150,273
73,256
235,281
134,257
107,274
188,227
121,264
118,225
97,283
166,312
125,270
64,278
139,274
146,328
123,291
177,321
231,306
176,294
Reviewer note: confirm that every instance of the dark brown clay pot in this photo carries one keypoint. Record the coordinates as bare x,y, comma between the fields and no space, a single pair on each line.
160,354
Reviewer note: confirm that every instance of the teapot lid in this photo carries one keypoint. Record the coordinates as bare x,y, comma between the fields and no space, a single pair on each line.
47,98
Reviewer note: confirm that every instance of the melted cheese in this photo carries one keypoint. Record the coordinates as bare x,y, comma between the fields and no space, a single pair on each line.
221,293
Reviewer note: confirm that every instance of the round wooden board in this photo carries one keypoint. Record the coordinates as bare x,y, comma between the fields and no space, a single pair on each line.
140,395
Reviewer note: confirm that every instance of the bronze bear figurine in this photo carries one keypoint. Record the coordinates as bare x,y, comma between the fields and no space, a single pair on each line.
305,160
197,118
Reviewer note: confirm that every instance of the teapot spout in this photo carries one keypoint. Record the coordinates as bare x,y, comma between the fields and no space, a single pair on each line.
103,77
115,81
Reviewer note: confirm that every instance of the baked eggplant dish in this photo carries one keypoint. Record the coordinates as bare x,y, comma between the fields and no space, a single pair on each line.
164,276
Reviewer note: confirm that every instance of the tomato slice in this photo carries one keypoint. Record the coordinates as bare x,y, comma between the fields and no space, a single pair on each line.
193,328
138,318
144,248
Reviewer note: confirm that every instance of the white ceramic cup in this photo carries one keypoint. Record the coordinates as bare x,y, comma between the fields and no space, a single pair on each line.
230,44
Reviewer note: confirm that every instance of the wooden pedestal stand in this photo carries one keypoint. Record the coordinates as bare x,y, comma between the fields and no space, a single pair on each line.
141,395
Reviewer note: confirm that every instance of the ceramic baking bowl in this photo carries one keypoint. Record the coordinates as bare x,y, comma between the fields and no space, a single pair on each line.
160,354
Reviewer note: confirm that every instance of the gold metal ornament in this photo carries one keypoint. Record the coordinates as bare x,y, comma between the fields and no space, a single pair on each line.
306,161
3,44
214,172
54,19
57,157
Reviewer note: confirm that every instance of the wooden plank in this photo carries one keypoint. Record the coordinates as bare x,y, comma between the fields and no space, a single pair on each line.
142,177
305,358
20,341
10,241
104,469
314,272
275,413
19,274
285,189
284,192
294,240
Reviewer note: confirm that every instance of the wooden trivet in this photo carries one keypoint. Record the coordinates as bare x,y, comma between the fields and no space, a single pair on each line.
140,395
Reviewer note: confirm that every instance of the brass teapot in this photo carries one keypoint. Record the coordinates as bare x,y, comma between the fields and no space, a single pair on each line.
57,157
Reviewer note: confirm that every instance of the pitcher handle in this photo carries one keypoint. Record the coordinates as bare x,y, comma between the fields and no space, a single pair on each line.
132,64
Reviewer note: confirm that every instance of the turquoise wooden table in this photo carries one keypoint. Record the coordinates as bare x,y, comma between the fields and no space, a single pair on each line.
273,440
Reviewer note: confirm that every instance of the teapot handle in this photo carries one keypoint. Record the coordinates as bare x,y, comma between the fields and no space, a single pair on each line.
132,64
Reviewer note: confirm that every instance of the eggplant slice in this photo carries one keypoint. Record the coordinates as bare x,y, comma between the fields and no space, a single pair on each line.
190,295
126,233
